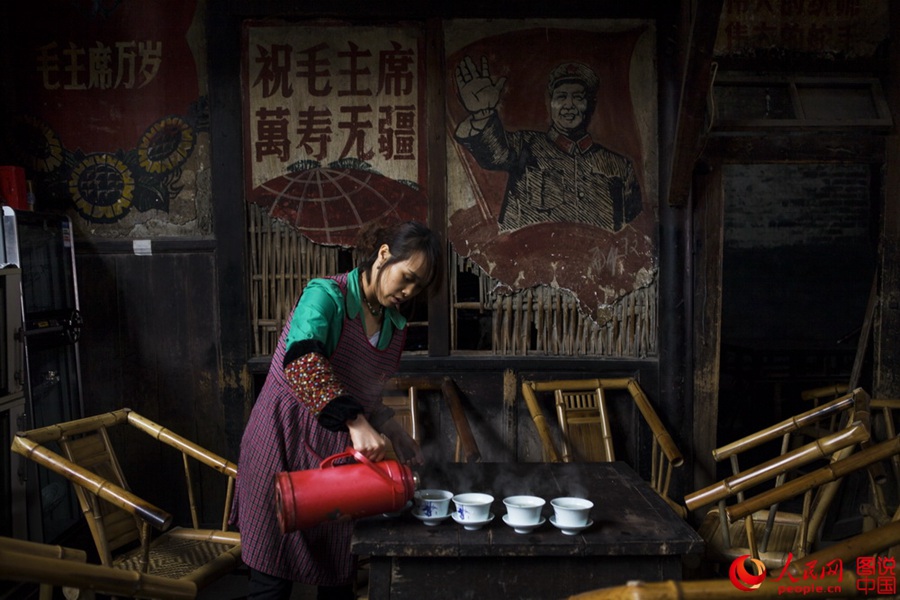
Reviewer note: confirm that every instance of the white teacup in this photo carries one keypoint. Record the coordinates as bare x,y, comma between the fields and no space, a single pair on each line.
571,512
524,510
433,503
473,506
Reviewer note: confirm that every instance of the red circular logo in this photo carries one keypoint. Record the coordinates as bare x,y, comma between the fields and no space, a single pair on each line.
742,578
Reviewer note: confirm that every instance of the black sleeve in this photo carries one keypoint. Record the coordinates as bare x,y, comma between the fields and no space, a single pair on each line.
298,349
335,414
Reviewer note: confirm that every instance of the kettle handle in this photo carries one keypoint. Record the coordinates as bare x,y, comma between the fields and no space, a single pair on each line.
356,454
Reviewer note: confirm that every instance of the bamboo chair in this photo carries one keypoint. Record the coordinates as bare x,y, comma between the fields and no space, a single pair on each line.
57,566
772,533
122,523
402,394
581,409
883,540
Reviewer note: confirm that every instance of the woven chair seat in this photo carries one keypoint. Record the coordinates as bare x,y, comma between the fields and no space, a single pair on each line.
173,557
785,533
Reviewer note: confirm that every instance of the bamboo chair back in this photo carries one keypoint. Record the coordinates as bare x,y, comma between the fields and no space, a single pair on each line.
403,395
770,533
584,425
405,404
585,431
118,519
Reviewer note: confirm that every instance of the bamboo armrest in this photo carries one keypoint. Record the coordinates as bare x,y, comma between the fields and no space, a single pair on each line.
182,444
816,450
97,485
53,433
463,429
788,425
888,403
656,426
824,391
35,566
537,415
823,475
43,550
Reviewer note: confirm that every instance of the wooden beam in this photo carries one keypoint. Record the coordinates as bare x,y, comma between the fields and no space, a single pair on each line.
886,350
695,86
439,301
709,236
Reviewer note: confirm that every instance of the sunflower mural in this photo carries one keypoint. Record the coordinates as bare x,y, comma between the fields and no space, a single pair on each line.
103,187
112,114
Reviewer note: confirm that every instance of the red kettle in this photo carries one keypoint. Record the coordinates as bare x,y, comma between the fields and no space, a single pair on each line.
353,490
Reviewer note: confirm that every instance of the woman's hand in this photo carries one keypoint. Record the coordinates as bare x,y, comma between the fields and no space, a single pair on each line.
365,439
406,448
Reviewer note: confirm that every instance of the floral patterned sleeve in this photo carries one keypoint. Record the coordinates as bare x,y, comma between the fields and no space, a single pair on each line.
315,329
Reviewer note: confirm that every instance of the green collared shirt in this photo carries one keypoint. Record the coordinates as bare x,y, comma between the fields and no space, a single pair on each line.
320,313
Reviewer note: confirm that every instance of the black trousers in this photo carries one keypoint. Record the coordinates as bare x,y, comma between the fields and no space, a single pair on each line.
269,587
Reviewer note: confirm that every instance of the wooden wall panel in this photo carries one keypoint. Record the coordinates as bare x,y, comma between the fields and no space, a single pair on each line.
150,344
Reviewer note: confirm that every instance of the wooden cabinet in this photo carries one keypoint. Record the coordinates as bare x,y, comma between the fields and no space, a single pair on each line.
40,381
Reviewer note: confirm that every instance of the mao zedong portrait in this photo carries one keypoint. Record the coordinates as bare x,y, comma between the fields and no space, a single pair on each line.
557,175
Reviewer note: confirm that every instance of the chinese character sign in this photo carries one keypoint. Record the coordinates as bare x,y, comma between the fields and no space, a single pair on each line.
874,576
118,66
849,28
333,119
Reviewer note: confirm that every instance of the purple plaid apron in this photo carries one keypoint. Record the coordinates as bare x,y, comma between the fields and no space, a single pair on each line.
282,435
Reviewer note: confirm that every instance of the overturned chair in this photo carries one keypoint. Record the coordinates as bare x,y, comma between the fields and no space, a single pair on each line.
837,575
773,531
129,532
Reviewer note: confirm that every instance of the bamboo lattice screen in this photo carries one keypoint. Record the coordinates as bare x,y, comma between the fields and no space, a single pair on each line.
548,321
541,320
282,261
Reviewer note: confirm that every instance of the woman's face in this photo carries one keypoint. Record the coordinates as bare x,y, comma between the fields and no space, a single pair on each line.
398,282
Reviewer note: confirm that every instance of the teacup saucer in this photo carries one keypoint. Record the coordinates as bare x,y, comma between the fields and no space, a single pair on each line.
472,525
524,528
570,529
429,520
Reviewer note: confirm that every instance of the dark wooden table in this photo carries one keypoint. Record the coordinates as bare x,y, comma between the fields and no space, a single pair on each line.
635,535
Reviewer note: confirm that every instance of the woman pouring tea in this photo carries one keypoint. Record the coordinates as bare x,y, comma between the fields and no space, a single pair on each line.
322,393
